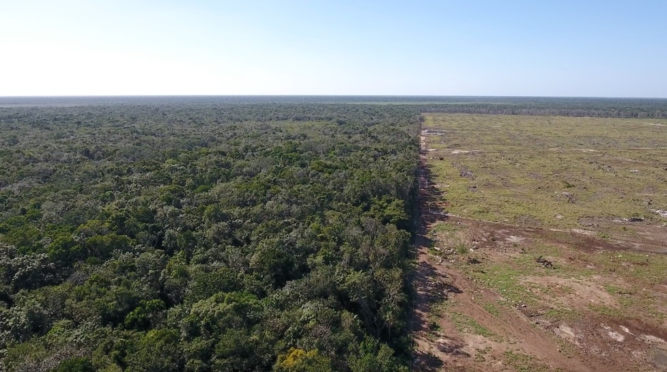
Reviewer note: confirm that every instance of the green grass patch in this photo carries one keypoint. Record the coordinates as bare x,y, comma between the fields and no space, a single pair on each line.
524,363
491,309
648,269
442,227
561,314
466,324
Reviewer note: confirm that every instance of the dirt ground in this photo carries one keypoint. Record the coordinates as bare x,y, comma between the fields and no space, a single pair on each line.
492,296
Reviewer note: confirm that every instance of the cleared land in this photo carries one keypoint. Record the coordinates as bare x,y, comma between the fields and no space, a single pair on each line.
543,244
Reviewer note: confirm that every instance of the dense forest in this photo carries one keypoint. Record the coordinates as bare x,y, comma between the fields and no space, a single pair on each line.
239,237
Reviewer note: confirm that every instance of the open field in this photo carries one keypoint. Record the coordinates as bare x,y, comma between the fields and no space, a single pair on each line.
544,239
549,171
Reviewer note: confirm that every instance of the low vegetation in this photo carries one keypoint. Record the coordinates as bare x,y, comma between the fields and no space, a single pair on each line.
564,239
549,171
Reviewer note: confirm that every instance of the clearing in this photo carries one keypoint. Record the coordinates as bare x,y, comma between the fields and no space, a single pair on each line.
542,244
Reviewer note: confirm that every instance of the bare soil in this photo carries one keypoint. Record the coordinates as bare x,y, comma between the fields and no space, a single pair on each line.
490,302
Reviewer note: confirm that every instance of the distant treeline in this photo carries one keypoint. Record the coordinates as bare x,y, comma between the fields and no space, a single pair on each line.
655,109
596,107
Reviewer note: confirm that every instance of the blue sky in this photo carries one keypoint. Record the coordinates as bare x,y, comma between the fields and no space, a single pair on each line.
504,48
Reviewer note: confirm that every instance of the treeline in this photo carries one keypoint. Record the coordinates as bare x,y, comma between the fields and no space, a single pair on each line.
206,237
536,110
305,106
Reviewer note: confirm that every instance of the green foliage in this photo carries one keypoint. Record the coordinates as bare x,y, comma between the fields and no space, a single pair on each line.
144,316
75,365
375,357
157,350
298,360
205,237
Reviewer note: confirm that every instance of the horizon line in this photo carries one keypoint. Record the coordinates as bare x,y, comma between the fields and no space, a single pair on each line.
316,95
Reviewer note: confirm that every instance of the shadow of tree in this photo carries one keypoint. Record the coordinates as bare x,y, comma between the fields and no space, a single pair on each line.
428,284
426,362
